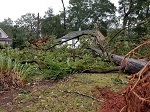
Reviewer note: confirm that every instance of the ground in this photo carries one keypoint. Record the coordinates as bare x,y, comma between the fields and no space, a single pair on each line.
59,96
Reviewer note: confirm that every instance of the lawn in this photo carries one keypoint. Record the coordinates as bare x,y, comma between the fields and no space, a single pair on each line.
70,94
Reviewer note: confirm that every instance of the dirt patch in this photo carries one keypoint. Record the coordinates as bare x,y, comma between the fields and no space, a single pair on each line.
134,98
113,101
7,96
137,94
9,80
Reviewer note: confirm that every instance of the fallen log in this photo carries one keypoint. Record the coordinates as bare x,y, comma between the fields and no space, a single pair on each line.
129,65
108,70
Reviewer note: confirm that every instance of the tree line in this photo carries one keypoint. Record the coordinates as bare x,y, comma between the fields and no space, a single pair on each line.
134,19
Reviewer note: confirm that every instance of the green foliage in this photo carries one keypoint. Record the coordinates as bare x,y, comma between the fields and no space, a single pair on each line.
7,26
133,12
125,41
118,81
57,63
13,73
28,22
53,70
51,25
82,14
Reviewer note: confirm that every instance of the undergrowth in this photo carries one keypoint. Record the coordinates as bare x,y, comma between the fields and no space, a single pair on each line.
55,64
12,73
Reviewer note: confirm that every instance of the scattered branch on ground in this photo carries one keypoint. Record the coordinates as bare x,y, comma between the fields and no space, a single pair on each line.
82,94
108,70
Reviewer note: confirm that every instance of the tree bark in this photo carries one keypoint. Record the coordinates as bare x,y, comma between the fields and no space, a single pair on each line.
127,13
130,65
75,37
108,70
64,14
38,27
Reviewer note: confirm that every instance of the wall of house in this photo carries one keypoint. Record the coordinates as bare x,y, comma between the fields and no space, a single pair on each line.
71,43
2,42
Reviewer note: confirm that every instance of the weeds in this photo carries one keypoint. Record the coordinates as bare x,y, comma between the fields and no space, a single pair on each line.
12,73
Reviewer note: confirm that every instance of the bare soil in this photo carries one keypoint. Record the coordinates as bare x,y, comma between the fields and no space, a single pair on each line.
7,96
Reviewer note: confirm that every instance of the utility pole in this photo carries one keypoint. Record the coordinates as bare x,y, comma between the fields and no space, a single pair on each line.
64,14
38,27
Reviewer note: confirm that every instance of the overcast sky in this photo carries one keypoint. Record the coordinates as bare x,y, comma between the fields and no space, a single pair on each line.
15,8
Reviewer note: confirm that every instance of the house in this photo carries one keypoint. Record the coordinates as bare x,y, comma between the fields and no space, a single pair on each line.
70,35
4,38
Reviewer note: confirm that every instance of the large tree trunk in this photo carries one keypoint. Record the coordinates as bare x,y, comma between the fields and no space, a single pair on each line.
129,65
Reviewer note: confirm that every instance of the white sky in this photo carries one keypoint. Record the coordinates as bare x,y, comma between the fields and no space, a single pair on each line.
15,8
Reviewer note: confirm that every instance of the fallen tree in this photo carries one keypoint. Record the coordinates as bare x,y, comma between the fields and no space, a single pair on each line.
96,34
136,95
129,65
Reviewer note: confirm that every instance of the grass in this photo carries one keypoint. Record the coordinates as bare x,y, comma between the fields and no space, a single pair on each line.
52,98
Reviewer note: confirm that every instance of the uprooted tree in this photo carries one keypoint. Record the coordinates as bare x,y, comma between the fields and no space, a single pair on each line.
135,96
94,42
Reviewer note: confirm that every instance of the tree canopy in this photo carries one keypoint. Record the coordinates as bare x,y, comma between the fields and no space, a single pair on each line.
83,14
133,17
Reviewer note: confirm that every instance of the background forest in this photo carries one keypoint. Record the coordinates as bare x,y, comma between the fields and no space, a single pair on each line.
132,16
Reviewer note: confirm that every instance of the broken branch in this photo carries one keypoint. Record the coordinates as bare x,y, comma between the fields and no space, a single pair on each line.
82,94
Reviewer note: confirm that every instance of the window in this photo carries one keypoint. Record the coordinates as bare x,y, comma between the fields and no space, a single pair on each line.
0,34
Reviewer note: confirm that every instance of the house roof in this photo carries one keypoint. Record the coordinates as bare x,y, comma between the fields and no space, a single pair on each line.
4,39
3,32
75,33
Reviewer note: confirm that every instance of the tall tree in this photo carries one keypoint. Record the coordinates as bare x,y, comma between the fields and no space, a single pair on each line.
126,9
83,13
38,27
78,14
134,11
51,24
29,22
7,26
